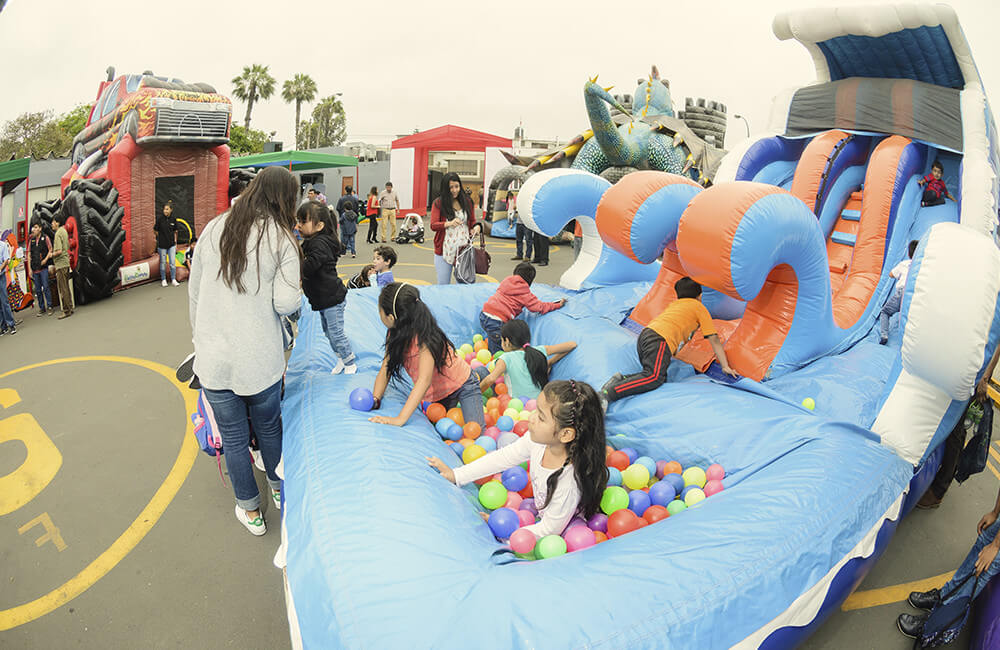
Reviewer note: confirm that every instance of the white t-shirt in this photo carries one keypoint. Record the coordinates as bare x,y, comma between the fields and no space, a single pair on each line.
900,272
566,499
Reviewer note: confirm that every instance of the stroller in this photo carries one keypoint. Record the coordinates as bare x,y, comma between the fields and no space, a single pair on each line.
411,230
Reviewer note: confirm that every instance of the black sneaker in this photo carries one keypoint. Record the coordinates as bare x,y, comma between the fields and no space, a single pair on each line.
911,625
543,263
925,600
185,371
12,330
517,257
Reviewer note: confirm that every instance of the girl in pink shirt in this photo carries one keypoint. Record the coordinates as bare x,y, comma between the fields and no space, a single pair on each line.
416,344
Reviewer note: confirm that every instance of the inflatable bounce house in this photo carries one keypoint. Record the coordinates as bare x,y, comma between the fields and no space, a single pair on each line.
148,140
795,239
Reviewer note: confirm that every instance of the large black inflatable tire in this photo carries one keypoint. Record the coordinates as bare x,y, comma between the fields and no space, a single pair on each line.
42,214
615,174
239,179
101,236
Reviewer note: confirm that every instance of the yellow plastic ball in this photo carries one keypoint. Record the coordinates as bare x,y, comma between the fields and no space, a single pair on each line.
471,453
635,476
484,356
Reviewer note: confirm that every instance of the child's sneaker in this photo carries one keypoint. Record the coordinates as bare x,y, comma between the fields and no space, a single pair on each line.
256,526
350,369
175,283
339,368
276,497
163,283
258,460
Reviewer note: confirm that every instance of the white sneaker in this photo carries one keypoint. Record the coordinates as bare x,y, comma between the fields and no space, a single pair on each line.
256,526
276,497
163,283
351,369
339,368
175,283
258,460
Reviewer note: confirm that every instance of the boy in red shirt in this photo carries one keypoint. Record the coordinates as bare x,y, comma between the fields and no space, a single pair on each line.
662,338
513,295
935,191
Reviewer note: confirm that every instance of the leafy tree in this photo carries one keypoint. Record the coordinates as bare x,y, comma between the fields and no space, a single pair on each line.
243,141
300,88
34,135
74,121
328,126
253,83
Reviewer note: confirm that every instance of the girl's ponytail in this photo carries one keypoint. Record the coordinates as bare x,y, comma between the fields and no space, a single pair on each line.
575,404
519,334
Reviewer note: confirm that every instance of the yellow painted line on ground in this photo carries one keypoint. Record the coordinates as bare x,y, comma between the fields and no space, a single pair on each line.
488,278
21,614
993,452
893,594
993,469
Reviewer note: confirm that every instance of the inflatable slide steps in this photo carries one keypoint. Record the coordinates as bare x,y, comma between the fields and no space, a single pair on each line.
840,244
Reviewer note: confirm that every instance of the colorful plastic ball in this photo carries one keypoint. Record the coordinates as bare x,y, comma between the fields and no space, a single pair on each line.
635,477
600,537
480,345
652,481
476,338
492,403
632,454
614,476
676,506
618,459
503,522
662,493
715,472
435,412
504,401
614,499
713,487
654,514
694,476
598,522
809,403
443,425
487,443
550,546
506,439
578,538
695,496
454,432
528,491
456,416
501,379
465,442
483,356
491,365
472,430
522,541
685,491
361,399
492,432
641,523
514,478
531,405
523,416
476,364
471,453
528,504
465,349
648,463
638,501
497,354
515,404
525,517
500,389
513,500
505,423
470,357
673,467
661,468
621,522
674,480
492,495
521,427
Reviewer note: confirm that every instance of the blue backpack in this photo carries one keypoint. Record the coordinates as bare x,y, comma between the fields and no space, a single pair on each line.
206,431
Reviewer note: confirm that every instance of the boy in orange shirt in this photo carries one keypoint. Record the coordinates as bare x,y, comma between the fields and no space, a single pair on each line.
662,338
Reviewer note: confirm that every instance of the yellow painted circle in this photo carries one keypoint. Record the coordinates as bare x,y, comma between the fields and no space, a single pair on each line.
140,526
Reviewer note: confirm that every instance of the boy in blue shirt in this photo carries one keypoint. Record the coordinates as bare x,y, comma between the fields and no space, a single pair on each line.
383,260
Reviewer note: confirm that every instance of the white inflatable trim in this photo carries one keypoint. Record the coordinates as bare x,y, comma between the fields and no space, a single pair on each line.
979,209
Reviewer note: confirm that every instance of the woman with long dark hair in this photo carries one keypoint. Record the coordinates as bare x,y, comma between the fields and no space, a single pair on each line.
453,220
244,278
371,211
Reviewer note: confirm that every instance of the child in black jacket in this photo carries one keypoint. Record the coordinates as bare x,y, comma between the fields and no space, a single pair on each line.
323,287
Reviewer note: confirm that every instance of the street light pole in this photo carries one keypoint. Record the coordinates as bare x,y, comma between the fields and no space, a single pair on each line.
745,123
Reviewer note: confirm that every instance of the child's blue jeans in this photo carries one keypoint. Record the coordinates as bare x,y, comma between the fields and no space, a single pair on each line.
492,327
348,242
969,565
333,325
168,257
231,412
891,307
469,398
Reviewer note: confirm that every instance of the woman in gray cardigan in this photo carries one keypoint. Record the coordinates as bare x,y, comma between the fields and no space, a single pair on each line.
243,279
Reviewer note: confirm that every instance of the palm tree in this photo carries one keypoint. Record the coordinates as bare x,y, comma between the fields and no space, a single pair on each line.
300,88
255,83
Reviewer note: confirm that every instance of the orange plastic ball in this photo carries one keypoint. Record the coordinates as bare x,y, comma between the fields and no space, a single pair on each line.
521,427
465,442
654,514
527,492
472,430
492,403
618,460
673,467
480,345
500,389
435,412
456,415
491,419
600,537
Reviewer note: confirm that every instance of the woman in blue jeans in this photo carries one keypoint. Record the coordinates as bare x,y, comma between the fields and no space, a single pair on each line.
166,243
243,279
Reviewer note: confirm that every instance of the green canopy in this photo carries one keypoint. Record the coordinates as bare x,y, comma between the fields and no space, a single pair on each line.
14,169
293,160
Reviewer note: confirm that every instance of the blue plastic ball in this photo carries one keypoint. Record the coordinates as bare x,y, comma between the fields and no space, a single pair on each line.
503,522
614,476
458,449
514,479
632,454
506,439
454,432
505,423
675,480
638,501
648,463
423,406
443,425
361,399
661,493
487,443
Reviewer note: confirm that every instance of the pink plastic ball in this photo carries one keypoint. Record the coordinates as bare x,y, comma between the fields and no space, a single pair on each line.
526,516
475,363
492,432
576,521
522,541
513,501
530,405
579,537
713,487
469,357
715,472
500,380
661,468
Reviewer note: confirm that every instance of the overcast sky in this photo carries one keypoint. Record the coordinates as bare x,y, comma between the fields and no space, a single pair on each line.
406,64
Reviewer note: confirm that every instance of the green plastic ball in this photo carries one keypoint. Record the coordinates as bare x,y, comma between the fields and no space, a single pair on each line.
809,403
476,338
497,355
676,506
516,404
488,393
550,546
614,498
492,495
465,350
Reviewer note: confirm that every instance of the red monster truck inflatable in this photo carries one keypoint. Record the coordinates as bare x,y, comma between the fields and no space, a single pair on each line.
148,140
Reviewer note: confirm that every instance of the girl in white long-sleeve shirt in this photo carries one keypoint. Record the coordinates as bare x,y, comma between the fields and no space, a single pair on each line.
565,447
